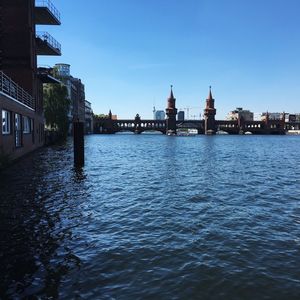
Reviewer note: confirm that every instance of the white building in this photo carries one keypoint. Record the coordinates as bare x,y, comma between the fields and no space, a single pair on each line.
278,116
239,112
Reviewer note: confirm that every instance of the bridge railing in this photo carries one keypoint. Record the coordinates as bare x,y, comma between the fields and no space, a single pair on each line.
12,89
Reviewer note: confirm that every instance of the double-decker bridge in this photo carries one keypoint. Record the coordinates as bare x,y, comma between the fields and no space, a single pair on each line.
207,126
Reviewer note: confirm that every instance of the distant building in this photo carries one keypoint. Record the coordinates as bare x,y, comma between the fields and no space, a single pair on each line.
78,99
88,117
238,113
76,93
180,115
292,117
159,115
274,116
63,70
278,116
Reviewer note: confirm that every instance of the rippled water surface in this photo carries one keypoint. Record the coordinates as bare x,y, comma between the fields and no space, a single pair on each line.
154,217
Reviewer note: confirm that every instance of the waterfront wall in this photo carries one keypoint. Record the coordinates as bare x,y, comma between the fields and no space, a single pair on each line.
22,138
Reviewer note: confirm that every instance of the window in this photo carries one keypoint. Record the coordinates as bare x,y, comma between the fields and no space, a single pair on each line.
26,125
18,130
5,122
32,130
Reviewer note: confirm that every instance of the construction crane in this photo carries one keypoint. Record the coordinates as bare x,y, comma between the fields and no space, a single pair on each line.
187,111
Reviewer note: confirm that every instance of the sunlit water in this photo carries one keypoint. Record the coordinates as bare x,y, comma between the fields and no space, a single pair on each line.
154,217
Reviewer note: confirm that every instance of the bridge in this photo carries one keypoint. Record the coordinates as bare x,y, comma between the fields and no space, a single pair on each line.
107,126
207,126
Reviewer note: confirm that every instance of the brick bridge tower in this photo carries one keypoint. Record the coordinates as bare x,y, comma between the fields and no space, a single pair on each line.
171,112
209,114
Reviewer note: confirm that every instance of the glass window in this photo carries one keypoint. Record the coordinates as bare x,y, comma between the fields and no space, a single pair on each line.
18,130
32,130
26,125
5,122
32,125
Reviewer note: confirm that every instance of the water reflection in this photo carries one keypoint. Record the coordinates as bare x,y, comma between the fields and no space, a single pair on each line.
27,239
153,217
78,174
34,237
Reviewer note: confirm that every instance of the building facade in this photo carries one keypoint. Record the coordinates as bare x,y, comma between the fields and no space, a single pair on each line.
180,116
271,116
159,115
78,99
88,118
76,93
288,117
21,89
239,113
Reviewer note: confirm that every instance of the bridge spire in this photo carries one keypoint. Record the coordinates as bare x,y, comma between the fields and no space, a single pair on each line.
209,114
171,112
210,97
171,93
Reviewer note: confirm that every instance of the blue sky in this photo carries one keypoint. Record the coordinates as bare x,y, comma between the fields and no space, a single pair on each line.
128,52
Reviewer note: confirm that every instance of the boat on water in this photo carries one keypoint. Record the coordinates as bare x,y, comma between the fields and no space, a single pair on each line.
171,133
293,132
222,132
189,132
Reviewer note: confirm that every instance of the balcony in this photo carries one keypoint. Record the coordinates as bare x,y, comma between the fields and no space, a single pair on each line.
9,88
45,75
46,44
46,13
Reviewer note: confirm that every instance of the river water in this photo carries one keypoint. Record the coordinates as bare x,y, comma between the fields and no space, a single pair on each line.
154,217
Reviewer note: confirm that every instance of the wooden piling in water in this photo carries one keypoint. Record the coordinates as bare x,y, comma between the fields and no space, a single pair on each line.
78,134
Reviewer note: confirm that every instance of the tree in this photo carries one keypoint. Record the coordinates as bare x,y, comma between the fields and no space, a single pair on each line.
56,108
100,116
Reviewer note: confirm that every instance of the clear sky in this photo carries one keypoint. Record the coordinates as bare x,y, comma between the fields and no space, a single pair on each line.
128,52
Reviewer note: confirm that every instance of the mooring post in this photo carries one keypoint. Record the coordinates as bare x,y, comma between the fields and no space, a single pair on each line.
78,135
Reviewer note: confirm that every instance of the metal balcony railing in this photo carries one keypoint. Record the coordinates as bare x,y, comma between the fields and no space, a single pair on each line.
46,37
48,4
10,88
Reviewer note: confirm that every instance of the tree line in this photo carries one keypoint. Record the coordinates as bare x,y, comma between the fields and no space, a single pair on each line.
57,106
